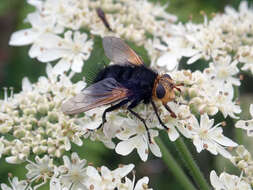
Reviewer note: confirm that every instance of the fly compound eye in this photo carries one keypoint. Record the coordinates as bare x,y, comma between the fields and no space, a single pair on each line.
167,76
160,91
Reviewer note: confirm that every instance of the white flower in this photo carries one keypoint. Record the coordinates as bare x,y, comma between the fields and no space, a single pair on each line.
142,184
205,136
246,124
134,136
208,95
205,40
16,185
228,182
176,124
227,106
19,152
108,179
55,184
42,168
71,52
246,56
223,70
176,47
73,172
40,26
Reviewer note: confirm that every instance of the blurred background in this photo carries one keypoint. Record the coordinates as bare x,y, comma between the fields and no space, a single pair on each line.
16,64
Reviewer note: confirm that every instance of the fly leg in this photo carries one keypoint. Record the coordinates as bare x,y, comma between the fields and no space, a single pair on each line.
114,107
172,114
143,121
129,108
157,115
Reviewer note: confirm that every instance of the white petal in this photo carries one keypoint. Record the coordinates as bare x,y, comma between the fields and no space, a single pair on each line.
67,144
34,51
251,110
13,160
225,141
93,173
106,173
170,60
184,131
122,172
140,183
54,183
5,187
198,143
62,66
124,147
48,55
35,19
223,152
211,147
240,124
26,85
194,58
205,122
66,161
155,149
77,64
49,40
215,181
23,37
173,134
142,149
35,3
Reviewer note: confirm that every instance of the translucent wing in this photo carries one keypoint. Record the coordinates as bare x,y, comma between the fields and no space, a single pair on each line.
101,93
119,52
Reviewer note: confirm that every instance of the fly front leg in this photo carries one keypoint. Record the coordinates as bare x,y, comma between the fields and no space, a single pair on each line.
157,115
172,114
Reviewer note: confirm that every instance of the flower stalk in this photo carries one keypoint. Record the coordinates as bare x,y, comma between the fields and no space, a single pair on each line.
191,165
174,167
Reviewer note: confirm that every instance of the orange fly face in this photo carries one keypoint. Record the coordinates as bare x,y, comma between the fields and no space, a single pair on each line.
163,89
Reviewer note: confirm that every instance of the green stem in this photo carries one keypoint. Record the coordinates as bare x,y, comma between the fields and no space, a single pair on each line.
191,165
174,167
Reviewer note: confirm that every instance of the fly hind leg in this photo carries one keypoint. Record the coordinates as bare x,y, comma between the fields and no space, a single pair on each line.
129,108
114,107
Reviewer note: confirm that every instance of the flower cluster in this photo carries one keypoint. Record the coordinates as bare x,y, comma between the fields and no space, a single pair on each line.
33,124
228,182
34,119
248,124
75,174
132,134
229,33
210,91
56,25
244,162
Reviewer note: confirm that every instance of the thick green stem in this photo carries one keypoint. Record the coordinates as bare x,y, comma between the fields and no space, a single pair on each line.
191,165
174,167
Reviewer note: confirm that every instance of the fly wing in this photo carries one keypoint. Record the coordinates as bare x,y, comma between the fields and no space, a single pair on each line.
101,93
119,52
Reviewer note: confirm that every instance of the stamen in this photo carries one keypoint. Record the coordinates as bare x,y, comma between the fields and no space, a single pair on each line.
5,94
12,91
